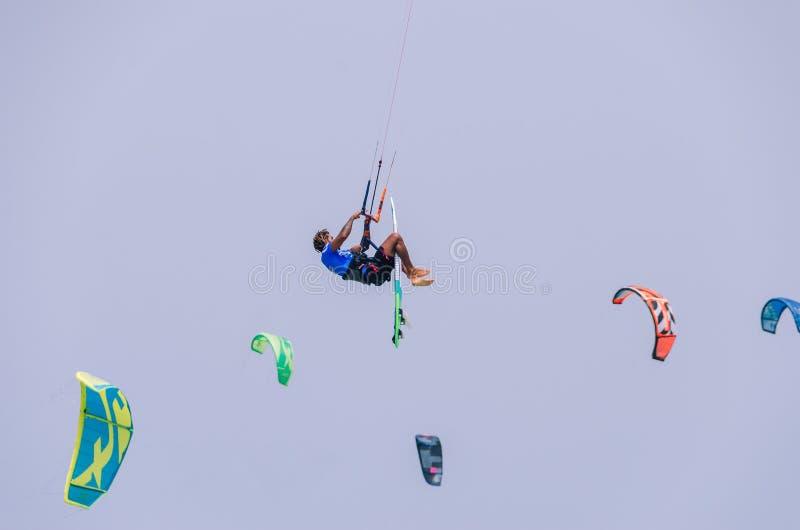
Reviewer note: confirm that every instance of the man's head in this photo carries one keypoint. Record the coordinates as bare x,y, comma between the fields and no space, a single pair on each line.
322,238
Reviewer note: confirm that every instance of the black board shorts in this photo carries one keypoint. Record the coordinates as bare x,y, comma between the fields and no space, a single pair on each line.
371,270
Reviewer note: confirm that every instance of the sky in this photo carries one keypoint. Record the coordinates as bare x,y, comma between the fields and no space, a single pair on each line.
165,165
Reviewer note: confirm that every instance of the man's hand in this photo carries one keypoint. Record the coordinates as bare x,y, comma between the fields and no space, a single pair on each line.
337,242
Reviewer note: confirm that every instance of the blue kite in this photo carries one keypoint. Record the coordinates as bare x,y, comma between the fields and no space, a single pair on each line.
772,312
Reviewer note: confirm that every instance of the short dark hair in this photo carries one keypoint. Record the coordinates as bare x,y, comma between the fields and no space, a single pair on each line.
321,239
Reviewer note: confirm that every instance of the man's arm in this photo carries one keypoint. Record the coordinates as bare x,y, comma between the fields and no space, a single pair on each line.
345,232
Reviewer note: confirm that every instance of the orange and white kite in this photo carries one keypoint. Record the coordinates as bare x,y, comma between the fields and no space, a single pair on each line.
663,318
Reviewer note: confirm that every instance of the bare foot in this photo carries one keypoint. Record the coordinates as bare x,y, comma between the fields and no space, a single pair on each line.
416,272
421,282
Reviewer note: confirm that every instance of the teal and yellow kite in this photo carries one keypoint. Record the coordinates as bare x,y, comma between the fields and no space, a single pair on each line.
105,429
284,359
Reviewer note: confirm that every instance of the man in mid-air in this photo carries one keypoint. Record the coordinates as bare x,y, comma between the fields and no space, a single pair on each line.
354,264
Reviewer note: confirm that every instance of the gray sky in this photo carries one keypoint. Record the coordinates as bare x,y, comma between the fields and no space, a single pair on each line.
157,157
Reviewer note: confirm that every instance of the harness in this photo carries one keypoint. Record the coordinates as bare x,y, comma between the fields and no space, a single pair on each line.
362,268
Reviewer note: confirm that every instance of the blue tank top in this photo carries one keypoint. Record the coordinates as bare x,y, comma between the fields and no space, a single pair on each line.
336,261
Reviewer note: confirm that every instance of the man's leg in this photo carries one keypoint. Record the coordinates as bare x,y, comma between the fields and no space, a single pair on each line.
394,244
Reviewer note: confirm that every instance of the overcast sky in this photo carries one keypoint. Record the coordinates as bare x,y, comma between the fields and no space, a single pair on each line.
165,165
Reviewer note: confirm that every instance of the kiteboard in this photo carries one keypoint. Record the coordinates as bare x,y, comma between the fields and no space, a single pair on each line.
399,318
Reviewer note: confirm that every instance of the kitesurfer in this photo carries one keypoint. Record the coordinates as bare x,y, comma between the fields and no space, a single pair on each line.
354,264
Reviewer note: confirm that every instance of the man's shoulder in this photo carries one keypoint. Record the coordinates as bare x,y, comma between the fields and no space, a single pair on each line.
327,251
339,251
